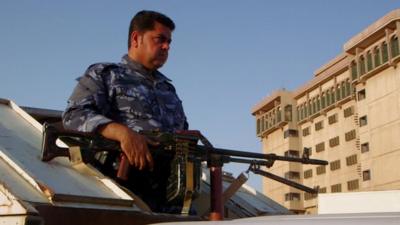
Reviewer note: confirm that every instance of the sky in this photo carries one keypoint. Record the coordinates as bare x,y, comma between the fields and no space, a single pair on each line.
225,57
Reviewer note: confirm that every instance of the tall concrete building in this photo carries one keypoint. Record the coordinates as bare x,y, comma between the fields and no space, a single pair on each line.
348,114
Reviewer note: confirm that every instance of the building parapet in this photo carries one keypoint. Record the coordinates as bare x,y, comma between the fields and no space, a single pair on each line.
269,102
334,67
372,33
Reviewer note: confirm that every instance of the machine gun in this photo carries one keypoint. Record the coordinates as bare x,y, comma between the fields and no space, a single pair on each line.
186,157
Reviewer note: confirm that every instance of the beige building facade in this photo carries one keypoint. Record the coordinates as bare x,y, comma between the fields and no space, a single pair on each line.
348,114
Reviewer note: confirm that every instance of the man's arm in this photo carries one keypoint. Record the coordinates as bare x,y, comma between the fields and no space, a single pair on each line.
88,104
86,112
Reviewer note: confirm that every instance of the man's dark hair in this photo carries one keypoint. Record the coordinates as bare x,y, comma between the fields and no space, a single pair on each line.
144,21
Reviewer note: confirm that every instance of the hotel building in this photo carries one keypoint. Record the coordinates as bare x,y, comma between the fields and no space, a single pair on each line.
348,114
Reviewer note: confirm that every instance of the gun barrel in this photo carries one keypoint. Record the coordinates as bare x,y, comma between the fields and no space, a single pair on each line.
266,163
256,155
300,160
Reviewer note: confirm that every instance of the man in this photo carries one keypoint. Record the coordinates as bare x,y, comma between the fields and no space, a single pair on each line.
118,100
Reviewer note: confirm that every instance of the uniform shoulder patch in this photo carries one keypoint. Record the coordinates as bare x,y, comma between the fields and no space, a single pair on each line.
101,70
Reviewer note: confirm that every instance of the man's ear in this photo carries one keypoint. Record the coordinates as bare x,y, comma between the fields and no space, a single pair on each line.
135,39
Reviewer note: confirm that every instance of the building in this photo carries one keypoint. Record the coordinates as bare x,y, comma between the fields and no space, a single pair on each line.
348,114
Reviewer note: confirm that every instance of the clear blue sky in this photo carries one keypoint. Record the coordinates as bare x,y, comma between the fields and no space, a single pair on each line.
226,56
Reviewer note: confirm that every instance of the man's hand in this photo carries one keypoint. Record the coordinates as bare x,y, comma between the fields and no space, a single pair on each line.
134,145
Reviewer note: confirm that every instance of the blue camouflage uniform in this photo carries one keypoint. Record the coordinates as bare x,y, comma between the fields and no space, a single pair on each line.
126,93
129,94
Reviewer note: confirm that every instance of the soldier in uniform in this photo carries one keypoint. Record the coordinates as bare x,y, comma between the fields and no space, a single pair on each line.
117,100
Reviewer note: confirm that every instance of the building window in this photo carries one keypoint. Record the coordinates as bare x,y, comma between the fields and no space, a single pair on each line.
377,57
338,96
336,188
365,147
343,88
264,123
292,153
361,95
353,70
320,147
334,141
292,196
361,64
301,113
322,190
321,170
348,88
394,44
350,135
288,113
363,121
298,113
323,101
306,131
351,160
352,185
305,110
348,111
335,165
292,175
308,196
369,61
366,175
314,106
307,173
332,119
328,98
290,133
278,115
333,100
385,56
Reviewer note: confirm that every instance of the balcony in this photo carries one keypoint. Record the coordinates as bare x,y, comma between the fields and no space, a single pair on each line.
274,119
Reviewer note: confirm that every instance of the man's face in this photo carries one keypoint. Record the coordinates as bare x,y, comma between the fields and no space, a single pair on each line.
151,47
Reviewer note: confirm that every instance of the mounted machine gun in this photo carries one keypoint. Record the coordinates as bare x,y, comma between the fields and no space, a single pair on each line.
185,155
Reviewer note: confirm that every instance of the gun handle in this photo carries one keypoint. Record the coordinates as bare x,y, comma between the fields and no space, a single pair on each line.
123,169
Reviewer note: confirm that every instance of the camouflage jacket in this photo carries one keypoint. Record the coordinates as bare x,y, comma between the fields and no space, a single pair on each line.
125,93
